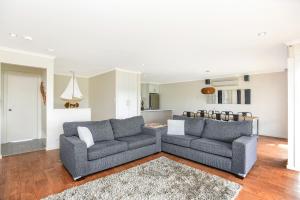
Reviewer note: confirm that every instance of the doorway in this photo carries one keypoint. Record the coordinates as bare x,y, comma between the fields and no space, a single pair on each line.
22,110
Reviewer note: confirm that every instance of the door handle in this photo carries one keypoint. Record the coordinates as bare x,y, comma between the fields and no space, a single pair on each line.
10,109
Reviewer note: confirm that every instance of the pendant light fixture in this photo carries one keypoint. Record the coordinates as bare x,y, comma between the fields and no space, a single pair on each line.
209,89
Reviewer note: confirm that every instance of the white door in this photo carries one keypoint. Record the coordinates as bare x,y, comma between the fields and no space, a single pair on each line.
21,106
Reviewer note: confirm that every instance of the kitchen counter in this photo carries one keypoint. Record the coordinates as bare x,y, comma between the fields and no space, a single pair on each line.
155,125
157,116
156,110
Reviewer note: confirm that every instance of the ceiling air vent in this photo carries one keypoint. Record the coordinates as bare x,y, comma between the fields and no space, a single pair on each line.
225,82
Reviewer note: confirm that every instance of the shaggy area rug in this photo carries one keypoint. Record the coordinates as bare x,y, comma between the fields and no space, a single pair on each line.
159,179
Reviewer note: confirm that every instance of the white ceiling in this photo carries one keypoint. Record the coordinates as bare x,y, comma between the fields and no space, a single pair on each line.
167,40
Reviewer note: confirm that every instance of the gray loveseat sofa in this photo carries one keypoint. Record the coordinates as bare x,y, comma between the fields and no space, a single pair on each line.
116,142
229,146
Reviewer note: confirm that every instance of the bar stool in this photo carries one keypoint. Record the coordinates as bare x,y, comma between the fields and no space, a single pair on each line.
218,116
236,117
245,114
188,114
201,113
227,115
212,114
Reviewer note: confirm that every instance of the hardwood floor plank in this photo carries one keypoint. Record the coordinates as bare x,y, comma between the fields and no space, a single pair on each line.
38,174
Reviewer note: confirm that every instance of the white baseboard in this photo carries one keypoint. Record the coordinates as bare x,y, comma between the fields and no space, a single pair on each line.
49,148
293,168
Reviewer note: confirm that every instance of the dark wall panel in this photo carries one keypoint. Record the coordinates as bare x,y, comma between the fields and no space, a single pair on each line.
248,96
239,96
219,96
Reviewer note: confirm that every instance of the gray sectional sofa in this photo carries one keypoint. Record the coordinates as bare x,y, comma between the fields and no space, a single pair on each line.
229,146
116,142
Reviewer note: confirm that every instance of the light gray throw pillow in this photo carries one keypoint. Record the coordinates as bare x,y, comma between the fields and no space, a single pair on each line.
175,127
86,136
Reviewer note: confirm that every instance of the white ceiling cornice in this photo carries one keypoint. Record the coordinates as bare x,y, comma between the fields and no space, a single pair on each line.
98,73
69,74
26,52
293,42
173,82
226,76
125,70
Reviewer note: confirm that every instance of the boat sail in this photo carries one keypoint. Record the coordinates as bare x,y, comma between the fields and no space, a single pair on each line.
72,93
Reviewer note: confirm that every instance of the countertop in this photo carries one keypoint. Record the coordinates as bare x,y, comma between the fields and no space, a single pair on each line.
160,110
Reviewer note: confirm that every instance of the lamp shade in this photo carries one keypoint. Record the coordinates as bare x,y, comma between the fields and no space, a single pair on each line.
208,90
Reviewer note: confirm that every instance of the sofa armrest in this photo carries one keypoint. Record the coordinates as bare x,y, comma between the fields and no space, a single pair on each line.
73,154
243,154
157,132
164,130
161,130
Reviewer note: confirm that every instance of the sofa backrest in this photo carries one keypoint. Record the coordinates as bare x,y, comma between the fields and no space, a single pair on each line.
192,126
101,130
127,127
226,131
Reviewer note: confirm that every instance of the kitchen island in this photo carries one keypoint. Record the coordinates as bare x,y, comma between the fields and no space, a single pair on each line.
157,116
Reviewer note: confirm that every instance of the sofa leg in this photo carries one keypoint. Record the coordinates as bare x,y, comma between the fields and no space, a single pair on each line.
77,178
240,176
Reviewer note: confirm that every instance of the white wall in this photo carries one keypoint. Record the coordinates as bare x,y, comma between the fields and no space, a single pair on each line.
268,100
40,106
104,88
294,107
60,84
0,106
44,107
65,115
102,94
115,94
18,57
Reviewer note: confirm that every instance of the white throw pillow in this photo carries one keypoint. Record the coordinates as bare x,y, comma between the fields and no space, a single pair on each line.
86,136
175,127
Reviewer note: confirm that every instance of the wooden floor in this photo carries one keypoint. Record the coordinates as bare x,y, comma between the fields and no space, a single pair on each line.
39,174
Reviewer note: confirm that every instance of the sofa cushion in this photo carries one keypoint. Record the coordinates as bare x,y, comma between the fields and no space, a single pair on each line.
137,141
106,148
181,140
127,127
226,131
213,147
192,126
101,130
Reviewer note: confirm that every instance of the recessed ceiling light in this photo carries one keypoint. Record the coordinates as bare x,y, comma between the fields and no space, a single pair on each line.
261,34
26,37
51,50
13,35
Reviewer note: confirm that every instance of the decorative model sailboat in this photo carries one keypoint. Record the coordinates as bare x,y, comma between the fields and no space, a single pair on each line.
72,94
